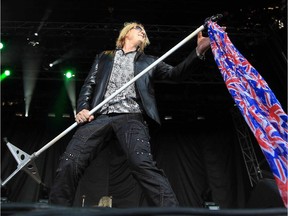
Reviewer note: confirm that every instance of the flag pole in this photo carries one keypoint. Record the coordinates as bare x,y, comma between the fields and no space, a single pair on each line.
30,158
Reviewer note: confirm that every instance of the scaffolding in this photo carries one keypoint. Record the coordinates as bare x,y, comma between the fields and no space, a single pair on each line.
243,134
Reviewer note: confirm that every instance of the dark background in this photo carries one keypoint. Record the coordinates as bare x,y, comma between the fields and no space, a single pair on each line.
198,148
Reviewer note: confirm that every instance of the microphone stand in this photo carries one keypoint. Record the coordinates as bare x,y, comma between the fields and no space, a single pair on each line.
26,161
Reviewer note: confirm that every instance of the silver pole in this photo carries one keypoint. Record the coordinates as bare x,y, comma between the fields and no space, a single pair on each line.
36,154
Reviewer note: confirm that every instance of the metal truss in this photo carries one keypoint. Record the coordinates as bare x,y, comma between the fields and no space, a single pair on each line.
252,166
24,28
60,37
77,43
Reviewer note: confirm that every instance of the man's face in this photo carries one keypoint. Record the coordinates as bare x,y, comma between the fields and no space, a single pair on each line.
137,34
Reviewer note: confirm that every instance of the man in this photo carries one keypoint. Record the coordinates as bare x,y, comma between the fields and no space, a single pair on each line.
123,115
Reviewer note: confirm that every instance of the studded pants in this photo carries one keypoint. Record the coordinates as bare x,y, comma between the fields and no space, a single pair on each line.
133,136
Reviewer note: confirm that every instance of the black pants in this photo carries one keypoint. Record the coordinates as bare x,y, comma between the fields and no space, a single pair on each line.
133,136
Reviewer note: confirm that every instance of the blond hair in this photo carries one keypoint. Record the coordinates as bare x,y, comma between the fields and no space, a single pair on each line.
127,27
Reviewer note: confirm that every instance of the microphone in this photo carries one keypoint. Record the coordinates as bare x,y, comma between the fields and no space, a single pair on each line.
213,18
216,17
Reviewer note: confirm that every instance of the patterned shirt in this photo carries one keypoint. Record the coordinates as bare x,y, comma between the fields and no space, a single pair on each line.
122,72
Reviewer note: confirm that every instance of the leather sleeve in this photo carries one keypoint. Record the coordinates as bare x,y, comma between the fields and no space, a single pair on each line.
180,71
87,89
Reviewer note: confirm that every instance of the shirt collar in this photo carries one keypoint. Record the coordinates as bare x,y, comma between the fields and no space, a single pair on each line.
117,49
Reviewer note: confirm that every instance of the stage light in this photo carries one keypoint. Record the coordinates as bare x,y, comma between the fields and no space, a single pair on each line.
30,69
52,64
69,74
71,89
168,118
5,74
200,117
34,43
65,115
33,40
1,46
51,115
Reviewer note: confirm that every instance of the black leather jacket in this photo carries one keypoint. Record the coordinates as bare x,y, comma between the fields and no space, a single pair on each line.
93,89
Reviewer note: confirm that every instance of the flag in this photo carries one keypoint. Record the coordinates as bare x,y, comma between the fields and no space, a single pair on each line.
256,101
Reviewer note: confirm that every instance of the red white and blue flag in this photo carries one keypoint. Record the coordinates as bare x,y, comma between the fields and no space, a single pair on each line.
257,103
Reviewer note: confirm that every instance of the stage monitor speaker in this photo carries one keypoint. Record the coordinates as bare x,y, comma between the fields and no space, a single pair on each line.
265,195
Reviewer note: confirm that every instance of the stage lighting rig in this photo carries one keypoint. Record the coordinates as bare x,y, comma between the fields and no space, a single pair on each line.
33,40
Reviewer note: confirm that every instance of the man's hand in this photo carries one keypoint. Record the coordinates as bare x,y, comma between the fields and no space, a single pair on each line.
83,116
203,44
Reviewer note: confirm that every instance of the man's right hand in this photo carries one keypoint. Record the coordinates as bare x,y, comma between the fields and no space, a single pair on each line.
83,116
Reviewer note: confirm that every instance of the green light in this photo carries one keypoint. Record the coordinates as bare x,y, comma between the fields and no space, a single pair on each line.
1,45
5,74
69,74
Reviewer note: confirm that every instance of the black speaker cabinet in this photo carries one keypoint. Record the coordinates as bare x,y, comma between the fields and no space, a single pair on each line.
265,195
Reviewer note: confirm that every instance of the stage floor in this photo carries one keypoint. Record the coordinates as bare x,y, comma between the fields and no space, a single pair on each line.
42,209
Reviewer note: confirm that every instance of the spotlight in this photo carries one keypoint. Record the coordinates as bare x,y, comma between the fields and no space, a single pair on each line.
5,74
200,117
52,64
1,45
69,74
18,114
168,118
280,24
34,41
51,115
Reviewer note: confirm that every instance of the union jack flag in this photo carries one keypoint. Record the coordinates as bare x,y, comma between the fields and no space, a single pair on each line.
256,102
